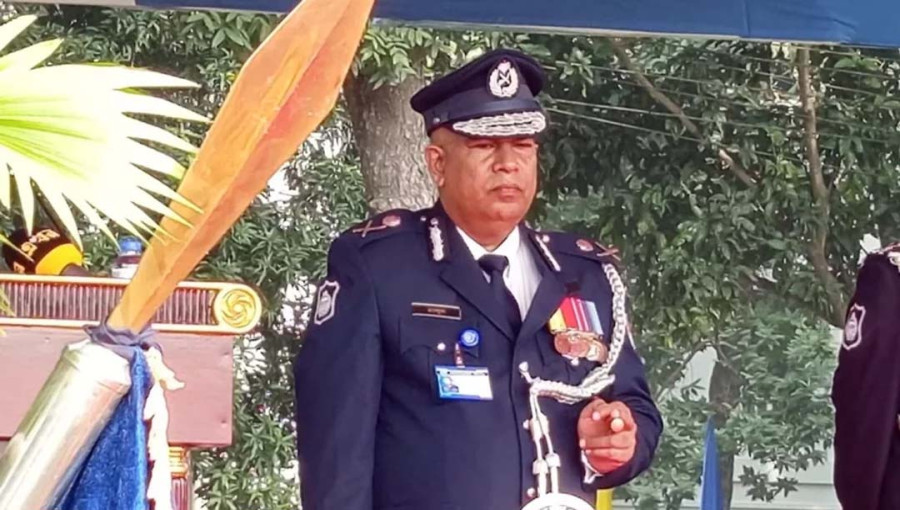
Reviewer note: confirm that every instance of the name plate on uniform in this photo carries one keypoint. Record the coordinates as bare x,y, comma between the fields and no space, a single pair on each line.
463,383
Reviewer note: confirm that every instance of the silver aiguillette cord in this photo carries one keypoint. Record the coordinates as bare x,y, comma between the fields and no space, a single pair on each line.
546,467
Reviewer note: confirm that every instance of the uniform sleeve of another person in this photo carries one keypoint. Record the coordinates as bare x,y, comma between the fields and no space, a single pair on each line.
631,389
866,386
337,384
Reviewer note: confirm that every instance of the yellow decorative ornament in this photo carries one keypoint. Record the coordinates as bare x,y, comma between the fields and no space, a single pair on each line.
237,307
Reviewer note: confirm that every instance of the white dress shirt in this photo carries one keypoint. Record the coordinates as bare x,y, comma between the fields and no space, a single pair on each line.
521,275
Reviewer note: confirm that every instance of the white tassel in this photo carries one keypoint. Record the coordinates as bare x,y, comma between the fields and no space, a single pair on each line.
156,413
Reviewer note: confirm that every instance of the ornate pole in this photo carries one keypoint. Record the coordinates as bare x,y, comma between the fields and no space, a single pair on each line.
182,480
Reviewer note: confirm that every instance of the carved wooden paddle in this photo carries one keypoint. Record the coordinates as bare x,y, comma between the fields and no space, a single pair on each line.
284,91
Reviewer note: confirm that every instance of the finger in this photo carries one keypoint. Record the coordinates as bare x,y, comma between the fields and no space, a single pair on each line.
614,441
587,417
592,406
587,427
613,454
622,419
605,466
602,412
617,425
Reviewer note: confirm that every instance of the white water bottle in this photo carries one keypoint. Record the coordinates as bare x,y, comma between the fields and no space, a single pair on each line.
129,256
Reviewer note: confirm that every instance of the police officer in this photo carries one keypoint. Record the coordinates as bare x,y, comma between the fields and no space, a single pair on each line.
409,389
866,390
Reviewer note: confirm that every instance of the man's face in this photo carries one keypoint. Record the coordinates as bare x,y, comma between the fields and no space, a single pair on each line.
484,180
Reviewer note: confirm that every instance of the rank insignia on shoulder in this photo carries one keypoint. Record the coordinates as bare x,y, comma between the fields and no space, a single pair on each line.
853,328
326,301
582,247
603,251
385,222
892,252
577,332
893,247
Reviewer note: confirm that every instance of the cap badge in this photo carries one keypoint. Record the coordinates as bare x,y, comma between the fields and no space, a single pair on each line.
504,81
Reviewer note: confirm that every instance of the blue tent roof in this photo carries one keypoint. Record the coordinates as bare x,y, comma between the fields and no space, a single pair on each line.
854,22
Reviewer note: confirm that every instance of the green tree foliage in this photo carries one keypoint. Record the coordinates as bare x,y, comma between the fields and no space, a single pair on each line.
695,159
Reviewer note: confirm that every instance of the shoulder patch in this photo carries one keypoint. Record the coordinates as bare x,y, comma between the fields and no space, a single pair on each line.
853,327
571,244
383,225
326,301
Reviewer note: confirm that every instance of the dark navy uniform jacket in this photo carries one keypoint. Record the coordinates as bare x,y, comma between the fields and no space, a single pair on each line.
372,431
866,390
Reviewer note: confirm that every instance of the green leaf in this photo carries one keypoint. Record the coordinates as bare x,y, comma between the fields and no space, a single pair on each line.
10,30
846,62
236,37
29,57
218,39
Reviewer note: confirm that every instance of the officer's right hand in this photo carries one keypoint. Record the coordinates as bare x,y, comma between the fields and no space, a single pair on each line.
608,434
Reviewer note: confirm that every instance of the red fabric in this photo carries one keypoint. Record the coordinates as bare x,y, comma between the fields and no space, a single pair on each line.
568,311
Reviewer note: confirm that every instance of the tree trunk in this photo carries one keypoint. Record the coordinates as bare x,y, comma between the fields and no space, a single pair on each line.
724,388
391,142
820,194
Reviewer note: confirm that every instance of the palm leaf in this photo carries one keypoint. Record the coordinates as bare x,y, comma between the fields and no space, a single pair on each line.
66,131
13,28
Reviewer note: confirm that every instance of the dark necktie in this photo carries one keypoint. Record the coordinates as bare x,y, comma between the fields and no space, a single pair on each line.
494,265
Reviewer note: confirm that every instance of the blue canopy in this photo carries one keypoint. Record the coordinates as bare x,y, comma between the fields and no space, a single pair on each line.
853,22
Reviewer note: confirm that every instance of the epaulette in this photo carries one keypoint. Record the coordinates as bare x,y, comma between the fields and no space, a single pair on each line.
891,248
383,225
571,244
892,252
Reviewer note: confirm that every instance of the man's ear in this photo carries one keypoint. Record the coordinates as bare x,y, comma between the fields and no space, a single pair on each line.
435,160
